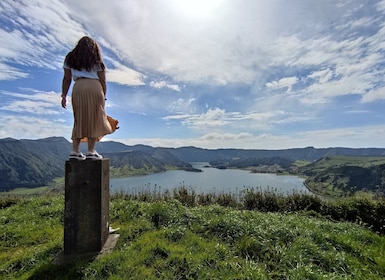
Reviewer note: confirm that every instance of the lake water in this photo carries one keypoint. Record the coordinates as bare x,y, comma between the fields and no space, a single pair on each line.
211,180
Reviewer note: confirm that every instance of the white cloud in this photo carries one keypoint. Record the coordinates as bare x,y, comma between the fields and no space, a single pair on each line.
39,31
226,136
322,76
352,137
39,103
226,69
196,51
33,114
372,96
9,73
216,119
26,127
286,82
182,105
162,84
124,75
212,118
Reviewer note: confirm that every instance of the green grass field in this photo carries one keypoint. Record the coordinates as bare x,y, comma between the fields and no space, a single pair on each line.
165,239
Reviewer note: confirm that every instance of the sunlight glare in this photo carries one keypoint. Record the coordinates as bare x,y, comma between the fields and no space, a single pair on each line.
197,8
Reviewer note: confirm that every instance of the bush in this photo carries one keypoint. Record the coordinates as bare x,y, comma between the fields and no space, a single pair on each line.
369,213
227,200
366,212
8,201
184,196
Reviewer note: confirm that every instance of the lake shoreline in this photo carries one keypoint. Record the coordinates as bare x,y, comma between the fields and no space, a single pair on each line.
211,180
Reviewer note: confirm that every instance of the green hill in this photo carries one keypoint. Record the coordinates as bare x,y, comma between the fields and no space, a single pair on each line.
141,163
164,239
346,175
31,163
36,163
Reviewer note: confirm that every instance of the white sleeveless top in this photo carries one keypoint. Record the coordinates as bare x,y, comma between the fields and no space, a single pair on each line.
76,74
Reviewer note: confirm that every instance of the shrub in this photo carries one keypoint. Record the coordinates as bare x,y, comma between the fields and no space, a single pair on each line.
8,201
205,199
227,200
252,200
186,197
366,212
369,213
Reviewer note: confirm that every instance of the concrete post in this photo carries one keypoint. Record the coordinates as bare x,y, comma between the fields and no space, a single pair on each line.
86,213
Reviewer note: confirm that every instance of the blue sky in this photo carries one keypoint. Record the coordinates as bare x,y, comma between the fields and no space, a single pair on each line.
211,74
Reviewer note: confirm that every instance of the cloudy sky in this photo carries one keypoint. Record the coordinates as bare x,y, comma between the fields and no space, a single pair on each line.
206,73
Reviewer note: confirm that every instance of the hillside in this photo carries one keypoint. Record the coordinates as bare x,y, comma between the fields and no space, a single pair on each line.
277,163
33,163
192,154
168,240
141,163
342,175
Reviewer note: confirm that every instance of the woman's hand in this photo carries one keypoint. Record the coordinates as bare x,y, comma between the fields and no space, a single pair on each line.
64,102
67,79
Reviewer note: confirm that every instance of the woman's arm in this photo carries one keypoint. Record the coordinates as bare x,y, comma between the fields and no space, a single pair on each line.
67,79
102,79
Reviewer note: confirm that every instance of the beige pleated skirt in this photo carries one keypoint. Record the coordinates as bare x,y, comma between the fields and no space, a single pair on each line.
88,103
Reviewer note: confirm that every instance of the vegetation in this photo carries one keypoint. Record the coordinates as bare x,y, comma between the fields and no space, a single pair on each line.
34,163
29,163
126,164
338,176
332,176
182,235
247,162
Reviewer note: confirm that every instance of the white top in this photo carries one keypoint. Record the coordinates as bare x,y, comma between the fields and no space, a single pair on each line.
76,74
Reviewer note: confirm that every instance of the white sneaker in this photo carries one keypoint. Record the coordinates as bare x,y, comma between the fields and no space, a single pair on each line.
112,230
93,156
77,156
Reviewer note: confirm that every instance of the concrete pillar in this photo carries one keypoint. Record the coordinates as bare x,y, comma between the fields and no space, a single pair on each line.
86,213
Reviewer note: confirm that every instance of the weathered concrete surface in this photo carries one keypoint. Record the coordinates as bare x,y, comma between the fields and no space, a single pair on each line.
73,258
86,213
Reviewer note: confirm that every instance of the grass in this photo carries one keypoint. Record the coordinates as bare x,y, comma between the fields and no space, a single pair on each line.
57,185
164,238
27,191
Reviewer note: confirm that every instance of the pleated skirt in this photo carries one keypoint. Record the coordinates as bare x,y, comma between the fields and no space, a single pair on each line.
88,104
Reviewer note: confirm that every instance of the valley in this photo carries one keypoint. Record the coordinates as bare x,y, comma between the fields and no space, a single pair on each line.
333,172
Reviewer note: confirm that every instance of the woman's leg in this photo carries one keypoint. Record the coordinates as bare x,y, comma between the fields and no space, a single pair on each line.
91,145
75,145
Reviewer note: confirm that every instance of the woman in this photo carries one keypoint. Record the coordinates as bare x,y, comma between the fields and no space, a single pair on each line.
84,64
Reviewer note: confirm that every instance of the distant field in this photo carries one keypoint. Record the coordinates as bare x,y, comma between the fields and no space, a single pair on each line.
25,191
361,161
58,183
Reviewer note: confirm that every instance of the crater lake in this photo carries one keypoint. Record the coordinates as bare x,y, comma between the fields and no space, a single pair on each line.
210,180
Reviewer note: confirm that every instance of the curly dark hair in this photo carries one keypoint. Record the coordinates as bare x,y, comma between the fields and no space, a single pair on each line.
86,55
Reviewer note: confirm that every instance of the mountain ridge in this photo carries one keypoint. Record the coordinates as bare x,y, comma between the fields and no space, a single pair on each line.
32,163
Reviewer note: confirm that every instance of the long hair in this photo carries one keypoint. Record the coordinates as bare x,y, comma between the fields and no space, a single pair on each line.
86,55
